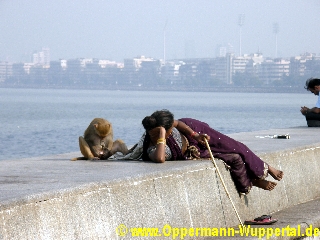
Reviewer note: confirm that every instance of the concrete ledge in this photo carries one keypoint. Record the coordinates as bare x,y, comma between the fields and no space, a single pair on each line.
54,198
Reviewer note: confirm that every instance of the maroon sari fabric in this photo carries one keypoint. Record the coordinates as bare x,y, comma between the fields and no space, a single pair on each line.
244,164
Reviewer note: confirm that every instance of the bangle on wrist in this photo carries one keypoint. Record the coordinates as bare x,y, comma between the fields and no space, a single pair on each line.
161,141
193,134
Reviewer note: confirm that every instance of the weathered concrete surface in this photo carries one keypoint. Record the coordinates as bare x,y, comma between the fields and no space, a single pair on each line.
54,198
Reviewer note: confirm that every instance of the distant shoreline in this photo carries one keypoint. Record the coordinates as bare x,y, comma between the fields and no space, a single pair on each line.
285,89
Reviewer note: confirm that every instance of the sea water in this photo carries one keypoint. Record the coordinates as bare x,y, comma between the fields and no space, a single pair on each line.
38,122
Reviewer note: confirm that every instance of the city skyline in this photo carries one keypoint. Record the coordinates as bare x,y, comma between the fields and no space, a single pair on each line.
43,57
125,29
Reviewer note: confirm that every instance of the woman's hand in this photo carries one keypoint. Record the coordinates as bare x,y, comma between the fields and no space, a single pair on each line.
201,138
155,135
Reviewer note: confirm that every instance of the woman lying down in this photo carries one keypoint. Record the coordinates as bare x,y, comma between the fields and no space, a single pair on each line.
168,139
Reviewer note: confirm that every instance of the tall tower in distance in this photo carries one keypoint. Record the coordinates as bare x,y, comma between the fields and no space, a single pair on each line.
164,43
240,23
275,31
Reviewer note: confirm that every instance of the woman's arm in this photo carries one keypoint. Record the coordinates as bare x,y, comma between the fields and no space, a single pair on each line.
158,137
187,131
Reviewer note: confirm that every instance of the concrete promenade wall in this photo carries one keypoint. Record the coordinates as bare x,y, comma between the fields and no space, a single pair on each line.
54,198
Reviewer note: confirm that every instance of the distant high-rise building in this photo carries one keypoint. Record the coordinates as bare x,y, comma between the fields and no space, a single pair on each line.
222,52
273,70
46,56
5,70
230,49
223,68
35,58
42,58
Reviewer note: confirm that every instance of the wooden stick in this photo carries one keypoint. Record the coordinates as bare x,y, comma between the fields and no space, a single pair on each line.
224,186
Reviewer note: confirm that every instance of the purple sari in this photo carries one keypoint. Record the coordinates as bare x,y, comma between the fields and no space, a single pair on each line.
244,164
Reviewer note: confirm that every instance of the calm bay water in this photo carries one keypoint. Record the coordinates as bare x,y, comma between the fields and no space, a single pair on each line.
38,122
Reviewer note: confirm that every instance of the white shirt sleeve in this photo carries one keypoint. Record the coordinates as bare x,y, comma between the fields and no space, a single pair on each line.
318,102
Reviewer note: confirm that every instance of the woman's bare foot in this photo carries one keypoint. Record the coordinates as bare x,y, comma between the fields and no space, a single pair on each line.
264,184
275,173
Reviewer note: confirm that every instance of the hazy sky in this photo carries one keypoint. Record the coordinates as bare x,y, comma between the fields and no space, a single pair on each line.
118,29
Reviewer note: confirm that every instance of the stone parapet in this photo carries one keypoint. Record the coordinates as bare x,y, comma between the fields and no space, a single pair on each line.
54,198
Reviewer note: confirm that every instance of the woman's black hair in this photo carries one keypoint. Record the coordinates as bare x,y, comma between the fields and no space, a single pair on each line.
162,118
311,83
